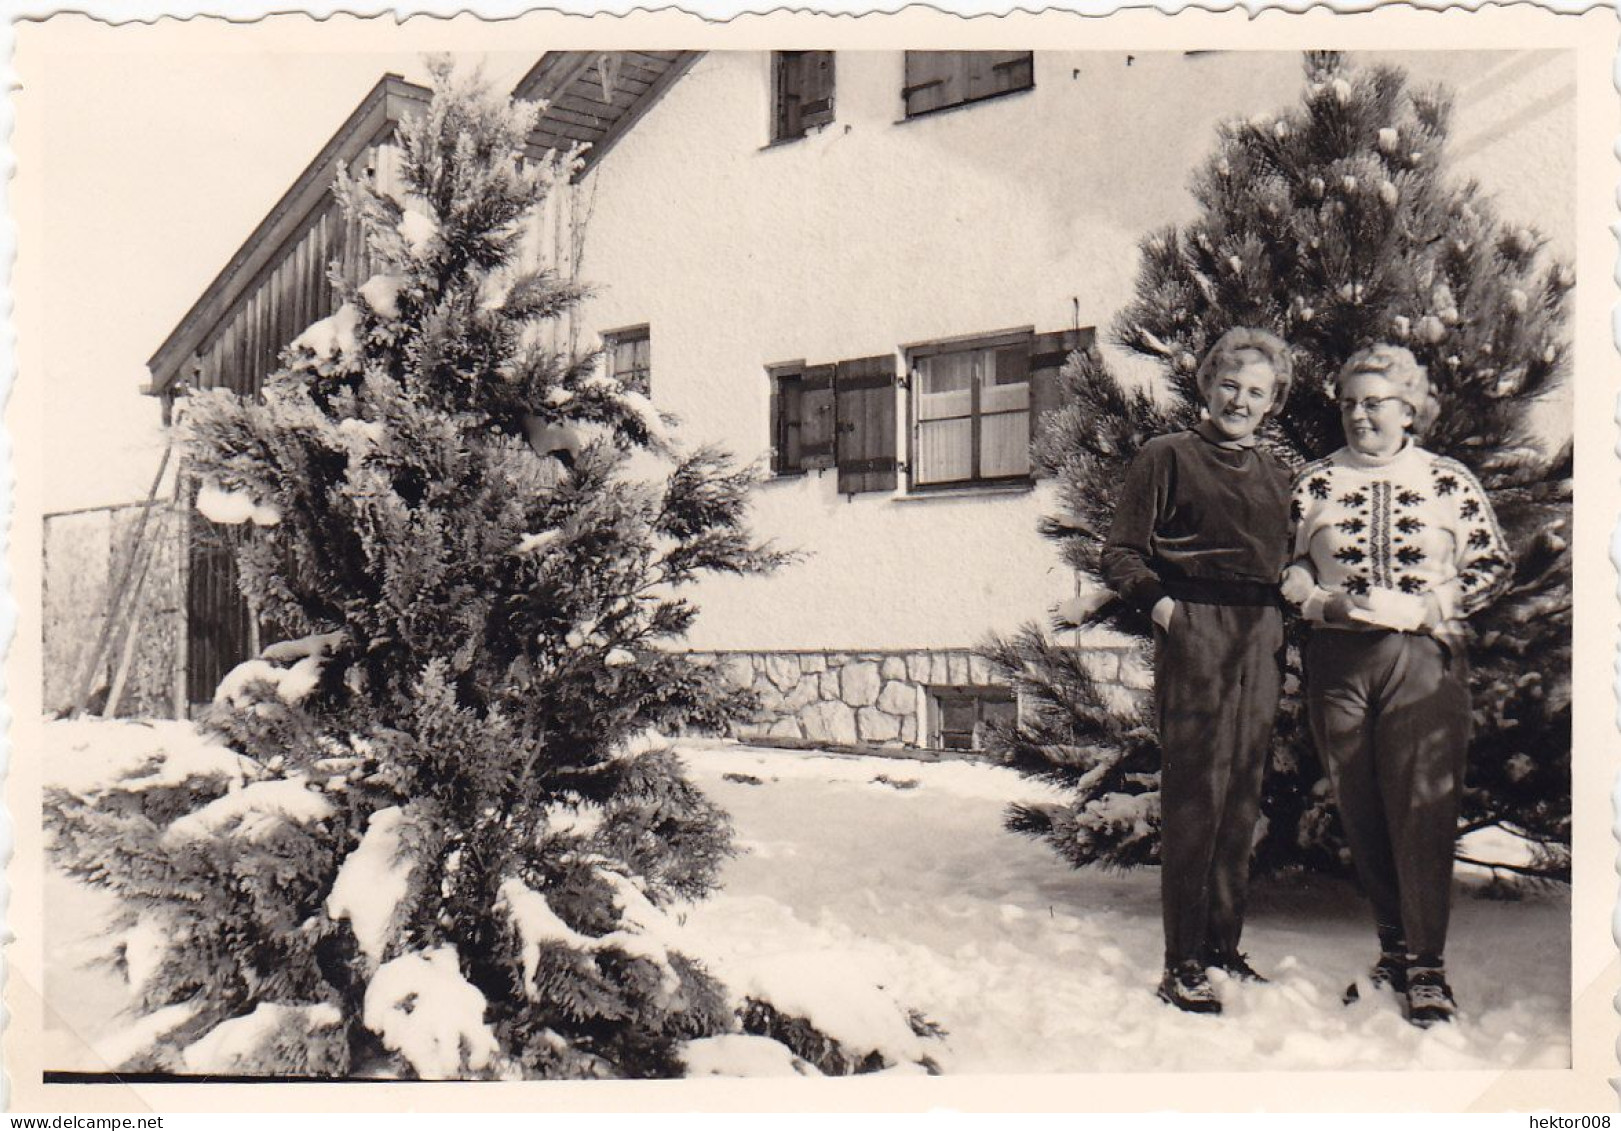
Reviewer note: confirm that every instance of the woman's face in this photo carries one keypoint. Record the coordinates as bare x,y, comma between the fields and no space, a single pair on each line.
1238,401
1375,419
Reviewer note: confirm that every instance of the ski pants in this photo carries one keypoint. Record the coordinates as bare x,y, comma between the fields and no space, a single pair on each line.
1217,677
1390,713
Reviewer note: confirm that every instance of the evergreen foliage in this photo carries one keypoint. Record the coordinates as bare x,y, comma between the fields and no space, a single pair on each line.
456,838
1336,225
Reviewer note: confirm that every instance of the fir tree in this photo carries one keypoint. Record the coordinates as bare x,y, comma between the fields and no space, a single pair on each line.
1336,225
448,846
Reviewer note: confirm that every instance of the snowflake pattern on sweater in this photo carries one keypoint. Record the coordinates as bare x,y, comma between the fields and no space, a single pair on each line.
1417,523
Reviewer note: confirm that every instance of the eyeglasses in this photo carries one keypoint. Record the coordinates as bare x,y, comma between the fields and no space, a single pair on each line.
1370,405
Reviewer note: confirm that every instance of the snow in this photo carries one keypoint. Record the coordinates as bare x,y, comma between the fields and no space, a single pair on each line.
233,1046
418,229
145,946
372,881
382,294
253,812
291,684
232,508
652,422
534,543
1031,966
547,438
1122,810
741,1054
118,1047
362,434
619,658
88,757
423,1009
336,334
539,926
853,902
567,820
304,647
837,991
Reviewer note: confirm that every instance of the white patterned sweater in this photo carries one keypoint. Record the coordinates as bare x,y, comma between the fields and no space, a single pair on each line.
1413,523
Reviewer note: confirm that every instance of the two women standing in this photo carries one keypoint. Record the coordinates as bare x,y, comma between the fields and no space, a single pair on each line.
1391,548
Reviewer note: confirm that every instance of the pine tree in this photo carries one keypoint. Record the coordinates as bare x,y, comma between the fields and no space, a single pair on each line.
448,846
1335,224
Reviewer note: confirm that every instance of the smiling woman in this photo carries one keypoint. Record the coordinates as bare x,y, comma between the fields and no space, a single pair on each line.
1402,545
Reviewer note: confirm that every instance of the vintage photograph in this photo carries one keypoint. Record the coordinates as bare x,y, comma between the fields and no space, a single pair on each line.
569,562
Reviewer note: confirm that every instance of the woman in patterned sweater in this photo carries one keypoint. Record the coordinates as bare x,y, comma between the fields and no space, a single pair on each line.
1394,546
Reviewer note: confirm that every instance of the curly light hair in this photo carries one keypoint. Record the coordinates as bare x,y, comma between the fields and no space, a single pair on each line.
1229,354
1397,365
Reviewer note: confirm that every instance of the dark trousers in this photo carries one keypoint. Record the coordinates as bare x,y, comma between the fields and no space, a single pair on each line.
1217,676
1390,713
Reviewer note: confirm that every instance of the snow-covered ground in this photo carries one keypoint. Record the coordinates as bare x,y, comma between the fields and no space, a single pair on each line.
858,872
1033,967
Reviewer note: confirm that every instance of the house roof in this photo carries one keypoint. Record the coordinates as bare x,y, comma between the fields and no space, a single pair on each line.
374,119
593,97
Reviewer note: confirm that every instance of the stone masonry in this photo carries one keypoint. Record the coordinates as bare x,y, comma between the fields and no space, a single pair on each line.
876,699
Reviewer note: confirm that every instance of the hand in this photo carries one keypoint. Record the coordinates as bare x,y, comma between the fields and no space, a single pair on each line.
1433,617
1297,584
1164,610
1337,609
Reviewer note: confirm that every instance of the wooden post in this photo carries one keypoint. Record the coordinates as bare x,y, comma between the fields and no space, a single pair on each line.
87,684
148,550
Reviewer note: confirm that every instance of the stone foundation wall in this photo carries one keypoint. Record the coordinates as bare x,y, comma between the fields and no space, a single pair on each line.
878,698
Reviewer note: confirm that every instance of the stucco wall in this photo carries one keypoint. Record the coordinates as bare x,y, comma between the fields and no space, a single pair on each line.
876,232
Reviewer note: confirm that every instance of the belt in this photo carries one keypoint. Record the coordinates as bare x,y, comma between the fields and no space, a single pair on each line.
1209,591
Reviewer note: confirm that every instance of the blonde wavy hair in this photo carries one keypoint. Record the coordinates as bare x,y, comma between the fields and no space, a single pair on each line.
1228,356
1397,365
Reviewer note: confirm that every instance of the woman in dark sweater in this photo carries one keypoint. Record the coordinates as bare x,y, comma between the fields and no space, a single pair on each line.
1199,537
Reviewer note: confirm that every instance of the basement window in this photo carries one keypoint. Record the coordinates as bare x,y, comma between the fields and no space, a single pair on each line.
958,715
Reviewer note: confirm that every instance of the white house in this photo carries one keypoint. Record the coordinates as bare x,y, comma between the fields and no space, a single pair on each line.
864,268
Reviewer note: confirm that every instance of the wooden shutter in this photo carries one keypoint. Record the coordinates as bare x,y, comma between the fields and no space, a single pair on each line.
933,79
804,82
865,393
1048,354
817,75
816,422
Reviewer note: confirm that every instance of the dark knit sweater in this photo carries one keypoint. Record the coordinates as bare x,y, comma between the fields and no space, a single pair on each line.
1195,511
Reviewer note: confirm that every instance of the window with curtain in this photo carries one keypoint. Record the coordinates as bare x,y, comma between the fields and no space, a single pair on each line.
971,411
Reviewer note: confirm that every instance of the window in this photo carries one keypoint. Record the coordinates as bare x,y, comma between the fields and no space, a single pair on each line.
971,411
630,358
977,404
938,79
958,716
802,88
801,418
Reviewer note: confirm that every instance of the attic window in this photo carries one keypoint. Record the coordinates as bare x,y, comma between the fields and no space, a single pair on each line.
630,357
802,88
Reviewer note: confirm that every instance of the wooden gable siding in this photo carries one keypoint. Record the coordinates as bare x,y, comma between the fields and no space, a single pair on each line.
288,294
273,288
217,335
